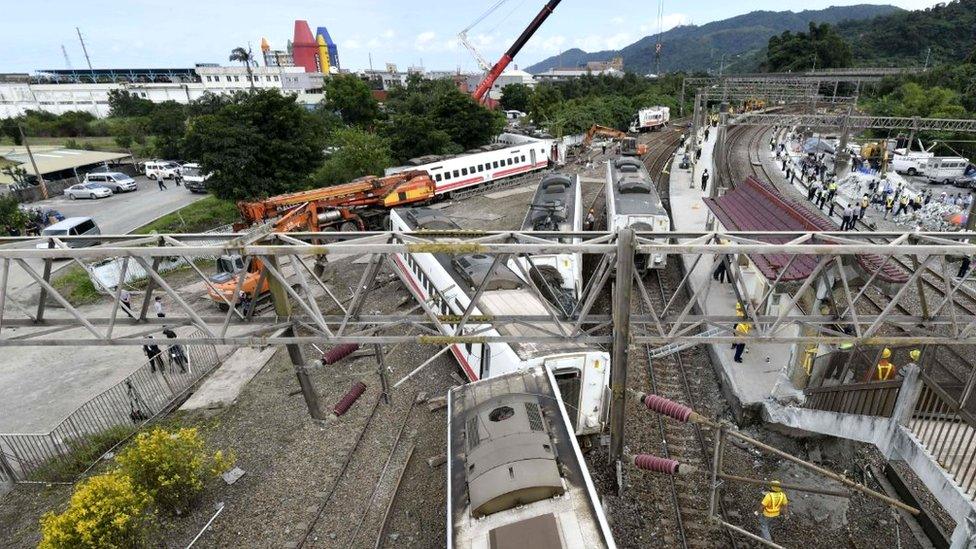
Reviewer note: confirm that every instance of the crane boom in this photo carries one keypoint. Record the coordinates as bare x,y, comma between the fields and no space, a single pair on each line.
481,92
482,62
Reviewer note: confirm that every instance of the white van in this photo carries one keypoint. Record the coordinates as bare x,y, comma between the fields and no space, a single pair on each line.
73,226
945,169
118,182
194,179
911,163
161,169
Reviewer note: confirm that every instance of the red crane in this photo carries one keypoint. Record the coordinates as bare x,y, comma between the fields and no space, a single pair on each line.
481,92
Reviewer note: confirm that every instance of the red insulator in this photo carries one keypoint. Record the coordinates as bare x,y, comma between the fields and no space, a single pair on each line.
350,398
339,352
667,407
656,464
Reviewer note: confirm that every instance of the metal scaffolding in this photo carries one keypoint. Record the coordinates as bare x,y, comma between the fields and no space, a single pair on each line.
854,123
308,308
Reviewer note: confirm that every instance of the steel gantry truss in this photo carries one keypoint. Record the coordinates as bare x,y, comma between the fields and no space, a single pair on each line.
854,123
308,308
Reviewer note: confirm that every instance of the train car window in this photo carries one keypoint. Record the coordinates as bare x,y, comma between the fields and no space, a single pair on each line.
467,346
464,171
472,169
523,158
456,173
495,164
437,177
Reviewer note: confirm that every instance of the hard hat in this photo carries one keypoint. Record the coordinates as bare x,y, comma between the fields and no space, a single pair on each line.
886,353
775,486
915,354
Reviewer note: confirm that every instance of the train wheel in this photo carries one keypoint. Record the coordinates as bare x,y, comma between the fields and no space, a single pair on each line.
348,227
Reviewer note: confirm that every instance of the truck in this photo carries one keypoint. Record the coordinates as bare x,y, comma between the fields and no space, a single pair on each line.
194,179
911,162
650,119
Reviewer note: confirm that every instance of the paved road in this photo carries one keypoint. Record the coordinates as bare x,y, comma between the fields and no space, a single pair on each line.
117,214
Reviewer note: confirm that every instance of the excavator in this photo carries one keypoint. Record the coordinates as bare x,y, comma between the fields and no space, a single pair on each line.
628,145
355,206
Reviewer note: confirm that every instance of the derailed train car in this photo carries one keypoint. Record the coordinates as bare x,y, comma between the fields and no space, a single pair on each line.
515,474
633,201
447,283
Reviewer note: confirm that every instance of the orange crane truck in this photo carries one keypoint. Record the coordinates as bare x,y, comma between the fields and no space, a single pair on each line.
355,206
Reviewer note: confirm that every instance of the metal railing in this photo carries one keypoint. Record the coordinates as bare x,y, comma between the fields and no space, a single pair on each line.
947,432
105,420
876,398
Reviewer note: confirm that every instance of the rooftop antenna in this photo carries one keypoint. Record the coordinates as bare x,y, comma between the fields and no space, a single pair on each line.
660,31
67,60
84,49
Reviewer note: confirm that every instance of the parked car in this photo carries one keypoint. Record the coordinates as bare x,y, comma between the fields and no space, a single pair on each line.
87,190
161,169
194,179
116,181
965,181
73,226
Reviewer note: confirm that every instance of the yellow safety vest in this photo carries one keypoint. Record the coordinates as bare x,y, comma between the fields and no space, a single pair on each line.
773,502
833,186
885,369
889,203
742,328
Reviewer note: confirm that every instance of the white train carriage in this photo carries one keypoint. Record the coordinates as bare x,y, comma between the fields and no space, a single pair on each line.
650,119
447,282
515,476
557,206
499,162
632,201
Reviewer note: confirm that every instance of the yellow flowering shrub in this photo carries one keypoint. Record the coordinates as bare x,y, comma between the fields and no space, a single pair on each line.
106,511
171,467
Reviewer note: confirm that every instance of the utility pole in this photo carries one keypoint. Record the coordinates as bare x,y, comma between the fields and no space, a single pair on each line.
84,49
928,54
626,242
37,172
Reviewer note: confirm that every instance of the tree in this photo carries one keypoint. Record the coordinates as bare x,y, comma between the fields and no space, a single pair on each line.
357,153
544,103
821,48
246,58
13,220
349,97
168,123
411,135
516,97
123,103
9,128
263,144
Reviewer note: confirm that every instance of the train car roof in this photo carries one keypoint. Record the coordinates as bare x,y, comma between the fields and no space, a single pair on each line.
555,200
516,475
633,188
507,294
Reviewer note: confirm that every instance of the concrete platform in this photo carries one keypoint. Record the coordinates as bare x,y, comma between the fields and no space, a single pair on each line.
226,383
762,372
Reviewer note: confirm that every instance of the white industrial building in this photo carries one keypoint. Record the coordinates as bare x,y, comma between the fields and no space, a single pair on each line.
61,91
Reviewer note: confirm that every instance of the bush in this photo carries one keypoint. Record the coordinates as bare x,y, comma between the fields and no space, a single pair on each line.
171,467
105,511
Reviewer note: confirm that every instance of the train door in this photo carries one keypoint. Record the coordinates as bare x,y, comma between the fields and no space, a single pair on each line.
532,157
568,372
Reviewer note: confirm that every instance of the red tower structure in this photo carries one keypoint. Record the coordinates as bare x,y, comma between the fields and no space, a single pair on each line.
304,47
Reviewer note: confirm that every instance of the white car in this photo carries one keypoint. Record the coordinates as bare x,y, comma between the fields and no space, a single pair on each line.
117,182
87,190
161,169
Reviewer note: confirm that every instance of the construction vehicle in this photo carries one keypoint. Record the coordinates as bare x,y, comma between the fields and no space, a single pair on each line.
876,155
628,145
753,104
480,93
356,206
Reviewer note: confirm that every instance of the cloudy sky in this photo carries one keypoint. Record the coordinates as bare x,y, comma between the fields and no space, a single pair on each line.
178,33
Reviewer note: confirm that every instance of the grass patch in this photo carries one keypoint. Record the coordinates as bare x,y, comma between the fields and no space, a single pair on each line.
81,454
76,286
200,216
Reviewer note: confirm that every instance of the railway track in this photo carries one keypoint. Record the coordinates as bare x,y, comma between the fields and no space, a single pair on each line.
350,507
682,501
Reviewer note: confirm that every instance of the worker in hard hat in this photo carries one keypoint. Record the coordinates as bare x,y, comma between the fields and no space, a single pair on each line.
885,369
774,503
741,331
915,355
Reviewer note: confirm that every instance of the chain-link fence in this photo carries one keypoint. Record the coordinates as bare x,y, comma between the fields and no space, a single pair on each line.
107,419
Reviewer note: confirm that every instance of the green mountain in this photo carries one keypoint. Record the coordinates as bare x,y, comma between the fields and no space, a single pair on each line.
700,48
906,37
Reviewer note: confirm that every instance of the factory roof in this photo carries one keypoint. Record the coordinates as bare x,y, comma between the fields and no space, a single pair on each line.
756,206
55,159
